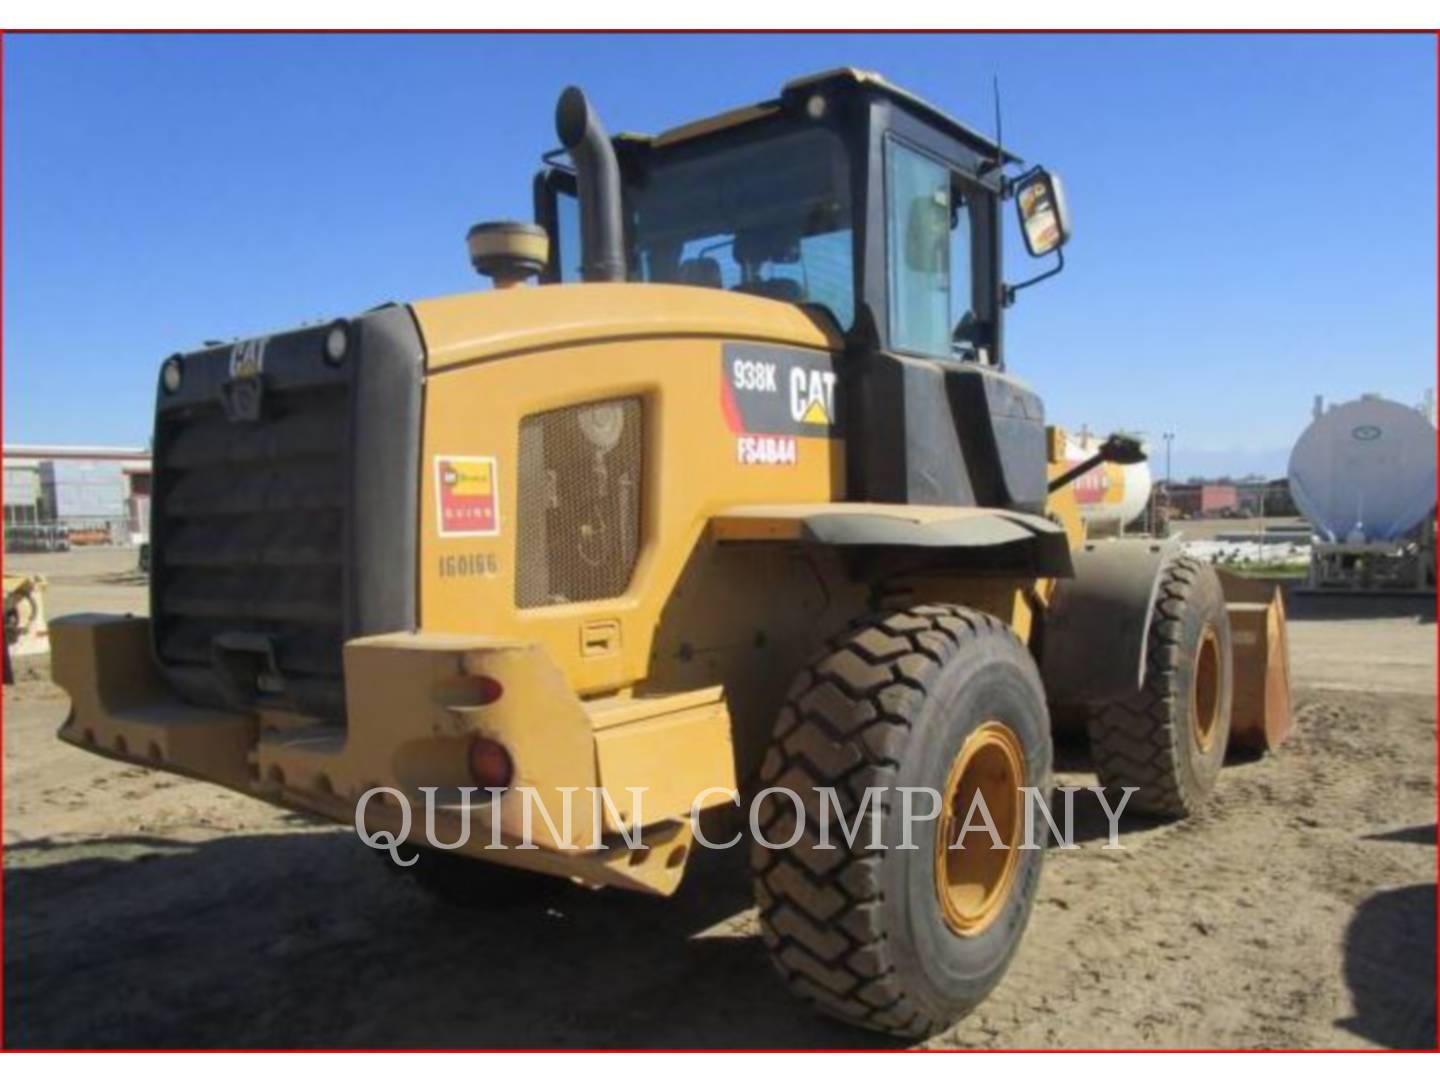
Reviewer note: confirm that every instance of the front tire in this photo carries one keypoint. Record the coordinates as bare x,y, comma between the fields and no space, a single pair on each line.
1168,739
903,941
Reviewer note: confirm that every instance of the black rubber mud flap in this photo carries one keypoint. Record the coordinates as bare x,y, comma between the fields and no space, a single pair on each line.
1097,622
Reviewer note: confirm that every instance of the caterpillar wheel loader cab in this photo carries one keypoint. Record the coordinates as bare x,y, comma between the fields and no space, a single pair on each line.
740,505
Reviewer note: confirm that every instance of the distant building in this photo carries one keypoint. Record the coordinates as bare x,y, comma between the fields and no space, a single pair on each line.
1267,498
1203,500
59,496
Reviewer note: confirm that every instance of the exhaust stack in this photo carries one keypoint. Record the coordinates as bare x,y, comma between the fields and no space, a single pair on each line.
598,175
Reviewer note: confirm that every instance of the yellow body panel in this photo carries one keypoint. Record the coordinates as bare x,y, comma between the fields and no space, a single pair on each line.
496,359
412,712
469,327
672,756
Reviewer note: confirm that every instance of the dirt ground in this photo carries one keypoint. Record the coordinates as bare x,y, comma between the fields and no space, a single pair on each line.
146,910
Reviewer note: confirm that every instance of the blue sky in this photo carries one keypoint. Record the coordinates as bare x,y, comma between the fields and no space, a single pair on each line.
1255,218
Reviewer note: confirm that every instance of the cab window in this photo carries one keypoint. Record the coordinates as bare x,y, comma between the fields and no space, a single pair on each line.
770,217
928,252
567,224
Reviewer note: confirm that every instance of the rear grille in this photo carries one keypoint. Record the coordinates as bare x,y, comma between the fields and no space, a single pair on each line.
251,523
578,532
277,539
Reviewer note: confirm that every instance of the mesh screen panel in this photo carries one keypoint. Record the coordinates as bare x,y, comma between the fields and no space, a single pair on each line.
578,530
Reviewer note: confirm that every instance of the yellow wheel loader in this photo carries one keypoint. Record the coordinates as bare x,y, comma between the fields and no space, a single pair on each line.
740,505
26,633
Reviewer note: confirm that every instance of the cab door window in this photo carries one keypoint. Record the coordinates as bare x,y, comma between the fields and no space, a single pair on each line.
918,216
933,216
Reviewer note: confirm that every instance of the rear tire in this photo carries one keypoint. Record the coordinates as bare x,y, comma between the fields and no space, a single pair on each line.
873,937
1168,739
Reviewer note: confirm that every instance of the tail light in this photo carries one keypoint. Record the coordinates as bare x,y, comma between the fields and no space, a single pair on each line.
490,764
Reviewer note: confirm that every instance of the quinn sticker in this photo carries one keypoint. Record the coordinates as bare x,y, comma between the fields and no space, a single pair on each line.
467,495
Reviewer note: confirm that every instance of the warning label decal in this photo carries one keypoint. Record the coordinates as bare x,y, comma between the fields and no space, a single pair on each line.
769,390
467,495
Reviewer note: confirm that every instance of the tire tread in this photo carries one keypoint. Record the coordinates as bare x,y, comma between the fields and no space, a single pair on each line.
1135,742
844,726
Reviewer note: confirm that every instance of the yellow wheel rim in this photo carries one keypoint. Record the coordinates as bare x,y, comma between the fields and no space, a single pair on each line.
1205,690
973,881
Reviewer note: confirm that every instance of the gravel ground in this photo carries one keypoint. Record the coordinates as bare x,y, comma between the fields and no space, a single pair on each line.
142,909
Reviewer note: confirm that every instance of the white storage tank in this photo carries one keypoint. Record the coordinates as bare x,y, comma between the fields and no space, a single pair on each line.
1364,472
1110,496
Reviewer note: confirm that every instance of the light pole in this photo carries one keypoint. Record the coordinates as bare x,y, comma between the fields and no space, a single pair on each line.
1169,437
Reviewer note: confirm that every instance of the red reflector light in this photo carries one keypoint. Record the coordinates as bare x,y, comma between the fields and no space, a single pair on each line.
490,764
487,690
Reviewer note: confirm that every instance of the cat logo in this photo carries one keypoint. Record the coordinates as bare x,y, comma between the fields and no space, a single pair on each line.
247,358
769,390
812,396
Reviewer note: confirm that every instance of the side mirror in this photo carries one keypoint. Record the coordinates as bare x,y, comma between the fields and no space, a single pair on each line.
1044,218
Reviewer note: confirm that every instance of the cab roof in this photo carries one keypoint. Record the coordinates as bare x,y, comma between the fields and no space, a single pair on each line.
836,80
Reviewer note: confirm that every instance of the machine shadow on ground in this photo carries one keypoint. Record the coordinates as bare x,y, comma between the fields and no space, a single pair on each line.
1390,965
306,940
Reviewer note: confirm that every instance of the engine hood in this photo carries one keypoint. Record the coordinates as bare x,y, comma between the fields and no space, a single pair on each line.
471,327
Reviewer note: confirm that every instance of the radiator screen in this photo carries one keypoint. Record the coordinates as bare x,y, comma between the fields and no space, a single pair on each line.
579,502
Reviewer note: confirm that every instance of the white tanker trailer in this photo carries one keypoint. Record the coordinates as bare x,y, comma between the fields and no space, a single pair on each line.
1363,474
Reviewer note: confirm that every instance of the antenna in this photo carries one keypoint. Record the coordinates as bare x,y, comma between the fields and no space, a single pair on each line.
999,129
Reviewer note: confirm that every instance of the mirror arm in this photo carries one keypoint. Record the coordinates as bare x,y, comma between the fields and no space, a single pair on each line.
1007,292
